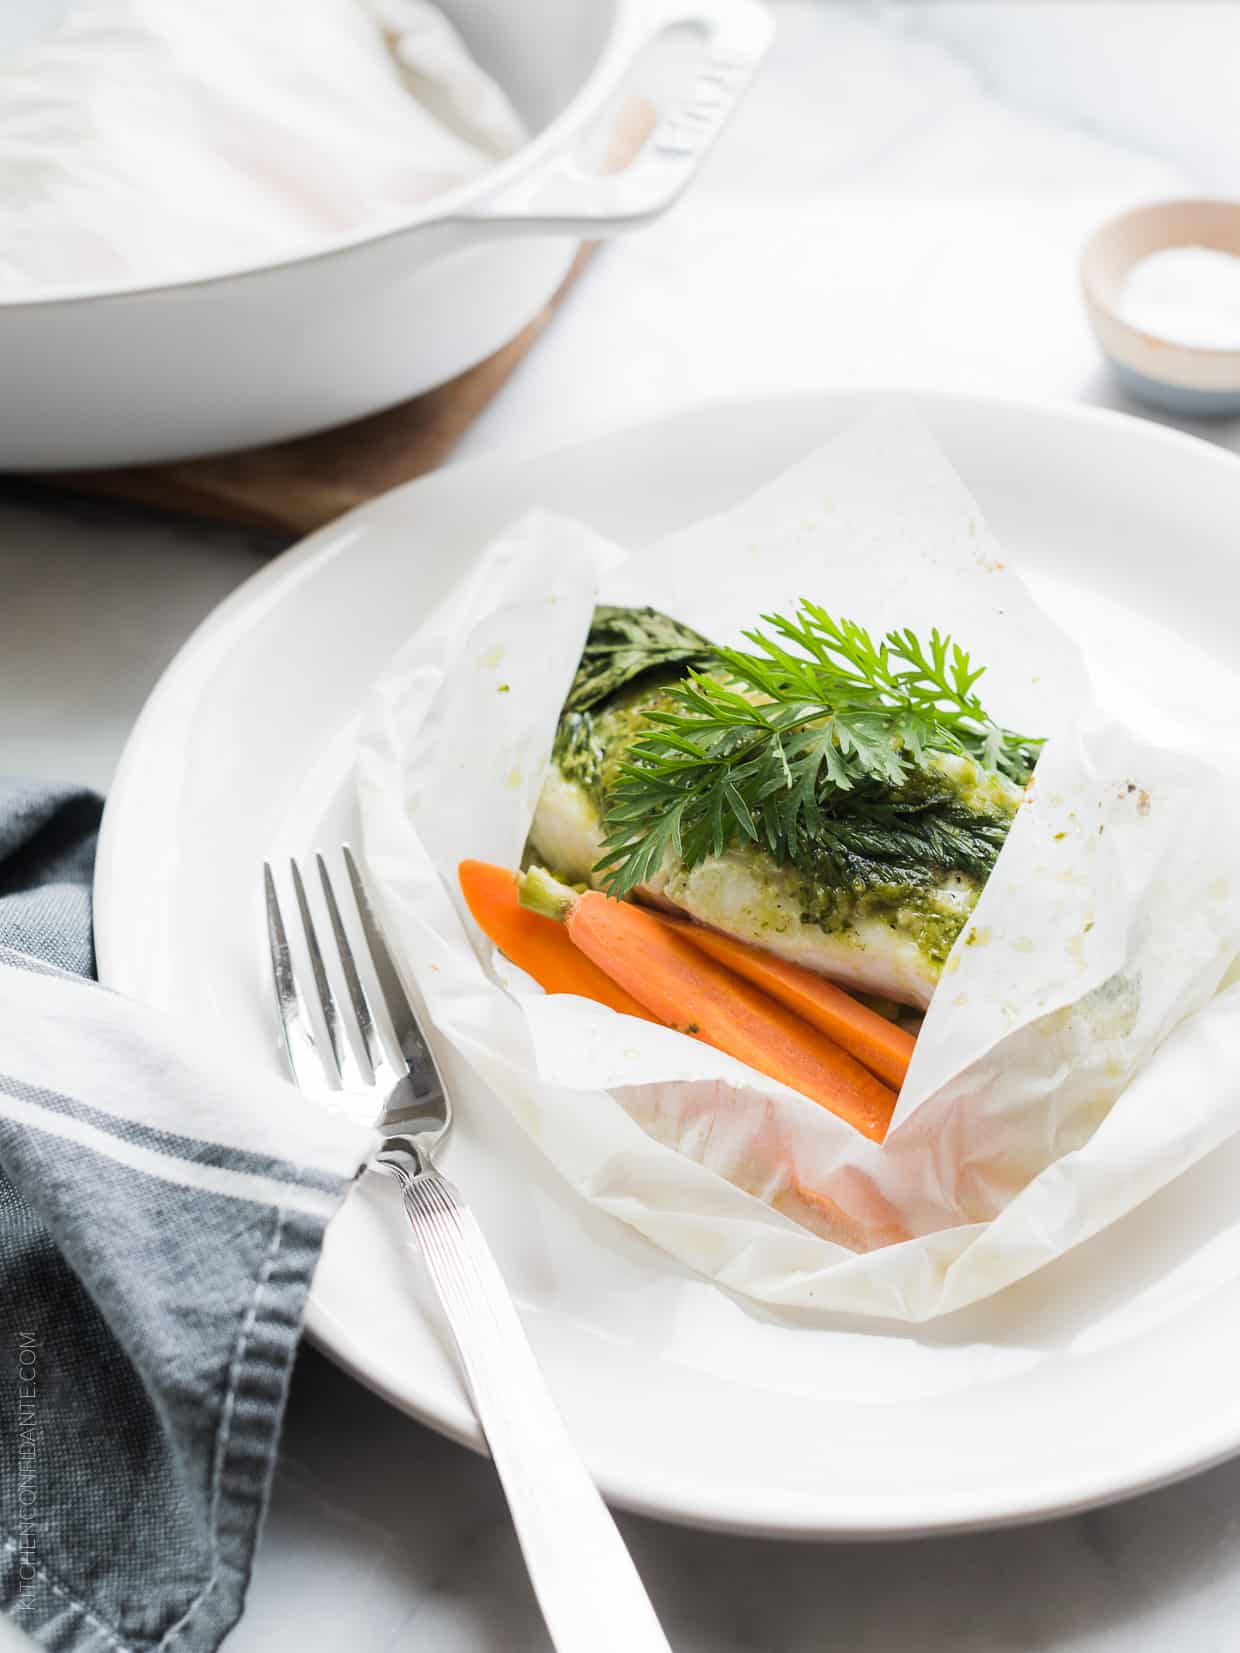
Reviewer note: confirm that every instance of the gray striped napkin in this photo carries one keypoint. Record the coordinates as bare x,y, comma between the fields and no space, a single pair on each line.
161,1215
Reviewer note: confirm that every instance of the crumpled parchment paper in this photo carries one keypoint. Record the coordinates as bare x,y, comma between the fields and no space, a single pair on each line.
1080,1050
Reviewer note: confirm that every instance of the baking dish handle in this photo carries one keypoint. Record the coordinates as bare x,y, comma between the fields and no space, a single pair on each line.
560,195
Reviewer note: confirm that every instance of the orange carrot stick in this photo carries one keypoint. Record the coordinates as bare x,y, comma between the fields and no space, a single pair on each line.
683,987
539,946
883,1047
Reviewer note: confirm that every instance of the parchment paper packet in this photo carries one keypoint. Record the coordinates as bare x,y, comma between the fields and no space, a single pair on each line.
1080,1050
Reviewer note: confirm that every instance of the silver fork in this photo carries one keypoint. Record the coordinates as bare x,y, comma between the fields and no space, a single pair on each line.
585,1581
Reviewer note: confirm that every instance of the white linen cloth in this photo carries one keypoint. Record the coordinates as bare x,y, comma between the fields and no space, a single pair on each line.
150,141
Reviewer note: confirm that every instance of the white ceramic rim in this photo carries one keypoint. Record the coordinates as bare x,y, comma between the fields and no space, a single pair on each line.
788,1514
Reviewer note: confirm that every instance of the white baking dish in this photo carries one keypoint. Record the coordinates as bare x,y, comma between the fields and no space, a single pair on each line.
254,355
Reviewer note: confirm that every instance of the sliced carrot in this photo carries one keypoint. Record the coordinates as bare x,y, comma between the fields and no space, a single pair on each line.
883,1047
683,987
539,946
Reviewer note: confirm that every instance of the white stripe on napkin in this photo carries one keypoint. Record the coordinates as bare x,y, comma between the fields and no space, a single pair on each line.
122,1058
212,1179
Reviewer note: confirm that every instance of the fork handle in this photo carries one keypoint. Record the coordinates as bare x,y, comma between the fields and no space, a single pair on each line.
587,1586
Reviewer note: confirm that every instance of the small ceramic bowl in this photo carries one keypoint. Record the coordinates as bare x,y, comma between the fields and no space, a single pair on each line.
1185,379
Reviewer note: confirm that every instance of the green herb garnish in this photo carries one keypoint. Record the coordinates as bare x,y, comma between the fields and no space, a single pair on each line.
629,643
814,745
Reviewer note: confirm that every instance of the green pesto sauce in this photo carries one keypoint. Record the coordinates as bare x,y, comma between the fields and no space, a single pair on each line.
928,915
589,747
922,915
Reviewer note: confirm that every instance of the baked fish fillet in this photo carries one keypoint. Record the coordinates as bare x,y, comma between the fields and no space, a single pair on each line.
870,927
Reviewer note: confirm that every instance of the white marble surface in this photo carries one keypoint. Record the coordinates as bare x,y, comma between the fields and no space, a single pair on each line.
900,201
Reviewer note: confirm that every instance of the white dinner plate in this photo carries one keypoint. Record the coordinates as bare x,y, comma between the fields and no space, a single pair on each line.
1110,1371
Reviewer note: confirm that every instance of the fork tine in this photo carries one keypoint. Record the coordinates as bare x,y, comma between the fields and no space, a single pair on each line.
404,1022
352,1076
309,1069
327,999
357,994
388,1065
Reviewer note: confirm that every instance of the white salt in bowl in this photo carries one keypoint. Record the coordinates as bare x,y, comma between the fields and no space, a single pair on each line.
1182,378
